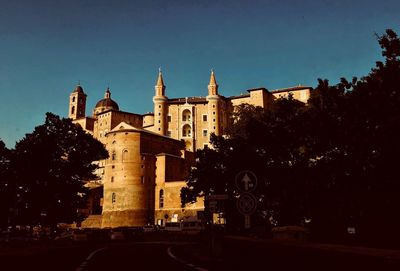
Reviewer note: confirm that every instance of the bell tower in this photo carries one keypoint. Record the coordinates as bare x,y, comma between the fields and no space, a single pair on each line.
160,106
77,103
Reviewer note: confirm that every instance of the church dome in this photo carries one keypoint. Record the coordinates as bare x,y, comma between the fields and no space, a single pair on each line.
107,103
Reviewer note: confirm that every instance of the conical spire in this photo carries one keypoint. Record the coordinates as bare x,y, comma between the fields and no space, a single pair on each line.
160,87
160,81
213,82
212,86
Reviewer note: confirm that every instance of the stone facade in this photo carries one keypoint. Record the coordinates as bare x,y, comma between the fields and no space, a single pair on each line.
150,154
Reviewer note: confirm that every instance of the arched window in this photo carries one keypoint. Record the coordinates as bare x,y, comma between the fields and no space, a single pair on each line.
161,202
186,131
186,115
73,110
124,155
73,99
113,198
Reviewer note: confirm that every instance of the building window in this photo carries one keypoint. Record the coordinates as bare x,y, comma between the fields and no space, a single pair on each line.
204,117
186,115
73,110
205,145
159,106
186,131
113,155
214,113
213,105
169,118
73,99
124,155
142,179
161,202
113,198
169,133
112,179
213,120
205,132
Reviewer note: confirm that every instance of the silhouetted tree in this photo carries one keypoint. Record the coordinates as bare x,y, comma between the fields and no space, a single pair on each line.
333,161
6,188
51,166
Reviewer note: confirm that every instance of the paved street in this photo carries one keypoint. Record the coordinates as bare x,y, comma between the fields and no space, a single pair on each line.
85,257
232,253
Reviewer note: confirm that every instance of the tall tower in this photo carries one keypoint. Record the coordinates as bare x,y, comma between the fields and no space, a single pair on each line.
160,106
77,103
213,99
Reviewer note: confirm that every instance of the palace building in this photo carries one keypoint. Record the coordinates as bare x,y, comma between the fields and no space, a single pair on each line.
151,154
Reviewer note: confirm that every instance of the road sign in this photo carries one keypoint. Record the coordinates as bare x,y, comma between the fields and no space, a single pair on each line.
212,206
217,197
246,204
246,181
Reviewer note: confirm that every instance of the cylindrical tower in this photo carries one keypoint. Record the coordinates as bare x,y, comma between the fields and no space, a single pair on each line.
213,111
128,191
160,106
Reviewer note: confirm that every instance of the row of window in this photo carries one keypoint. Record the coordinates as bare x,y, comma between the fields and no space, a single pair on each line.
187,132
124,155
142,178
73,100
161,202
187,118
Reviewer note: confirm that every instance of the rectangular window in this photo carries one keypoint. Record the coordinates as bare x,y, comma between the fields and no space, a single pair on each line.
169,118
205,132
204,117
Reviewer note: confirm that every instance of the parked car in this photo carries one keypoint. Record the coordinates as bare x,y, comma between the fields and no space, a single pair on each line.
149,228
79,236
117,235
173,226
194,226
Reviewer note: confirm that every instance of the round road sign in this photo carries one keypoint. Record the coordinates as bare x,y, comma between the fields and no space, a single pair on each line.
246,204
246,181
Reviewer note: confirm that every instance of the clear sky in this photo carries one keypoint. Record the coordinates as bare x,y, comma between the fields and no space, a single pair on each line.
46,46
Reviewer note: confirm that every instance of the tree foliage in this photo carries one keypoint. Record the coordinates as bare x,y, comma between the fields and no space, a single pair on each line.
48,170
332,161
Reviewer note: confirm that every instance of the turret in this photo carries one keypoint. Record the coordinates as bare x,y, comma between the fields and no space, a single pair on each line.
160,106
212,86
77,103
213,106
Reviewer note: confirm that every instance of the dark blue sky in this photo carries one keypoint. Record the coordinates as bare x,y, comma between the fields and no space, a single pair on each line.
47,46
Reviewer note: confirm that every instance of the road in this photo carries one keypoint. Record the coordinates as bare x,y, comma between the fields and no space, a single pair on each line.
232,254
86,257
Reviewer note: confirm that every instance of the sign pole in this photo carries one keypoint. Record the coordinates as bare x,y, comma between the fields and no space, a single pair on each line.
247,221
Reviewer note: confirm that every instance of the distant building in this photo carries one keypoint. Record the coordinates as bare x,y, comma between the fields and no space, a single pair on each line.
150,154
